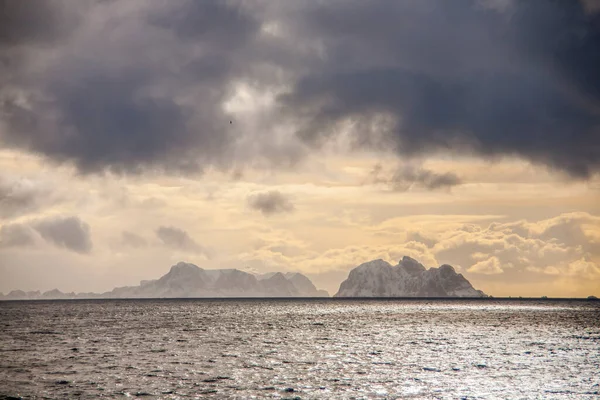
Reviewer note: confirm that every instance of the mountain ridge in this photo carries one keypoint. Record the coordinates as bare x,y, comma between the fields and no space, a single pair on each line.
409,278
186,280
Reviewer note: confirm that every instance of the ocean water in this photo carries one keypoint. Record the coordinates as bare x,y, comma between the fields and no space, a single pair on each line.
307,349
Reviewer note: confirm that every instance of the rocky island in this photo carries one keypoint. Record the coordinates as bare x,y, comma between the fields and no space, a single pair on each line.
189,280
409,278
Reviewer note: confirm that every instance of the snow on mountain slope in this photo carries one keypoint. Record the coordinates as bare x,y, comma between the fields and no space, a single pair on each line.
305,285
189,280
407,279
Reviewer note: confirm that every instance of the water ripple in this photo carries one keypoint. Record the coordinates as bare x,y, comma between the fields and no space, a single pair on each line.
308,349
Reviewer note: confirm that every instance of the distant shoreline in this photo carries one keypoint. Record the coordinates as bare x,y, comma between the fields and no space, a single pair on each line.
332,299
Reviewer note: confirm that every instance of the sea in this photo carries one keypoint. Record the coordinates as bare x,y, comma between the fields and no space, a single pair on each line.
300,349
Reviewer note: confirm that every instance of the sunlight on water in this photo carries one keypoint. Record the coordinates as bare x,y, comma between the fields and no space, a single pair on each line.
300,349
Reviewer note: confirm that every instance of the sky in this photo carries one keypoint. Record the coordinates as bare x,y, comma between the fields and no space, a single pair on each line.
307,136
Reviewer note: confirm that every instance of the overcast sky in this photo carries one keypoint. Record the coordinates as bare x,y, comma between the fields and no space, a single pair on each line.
304,136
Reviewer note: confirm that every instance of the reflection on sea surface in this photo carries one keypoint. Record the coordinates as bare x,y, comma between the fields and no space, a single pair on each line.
300,349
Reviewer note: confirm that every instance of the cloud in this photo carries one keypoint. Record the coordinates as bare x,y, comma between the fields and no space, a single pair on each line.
517,252
68,232
547,270
517,80
179,239
491,266
550,247
293,255
584,268
271,202
407,177
550,255
133,240
149,98
20,196
591,6
21,24
420,238
16,235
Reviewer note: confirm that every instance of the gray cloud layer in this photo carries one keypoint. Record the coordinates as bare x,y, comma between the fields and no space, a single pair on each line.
18,197
150,97
457,75
271,202
128,86
70,233
179,239
407,177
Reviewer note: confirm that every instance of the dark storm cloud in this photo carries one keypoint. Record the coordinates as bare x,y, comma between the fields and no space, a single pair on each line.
109,86
460,76
223,25
41,22
271,202
565,37
151,97
179,239
69,232
25,28
113,127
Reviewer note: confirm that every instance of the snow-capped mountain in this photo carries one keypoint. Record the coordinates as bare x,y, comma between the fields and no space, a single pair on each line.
189,280
407,279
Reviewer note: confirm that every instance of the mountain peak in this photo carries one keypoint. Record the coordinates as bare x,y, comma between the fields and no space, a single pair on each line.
181,267
409,278
407,260
411,265
447,269
379,263
189,280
